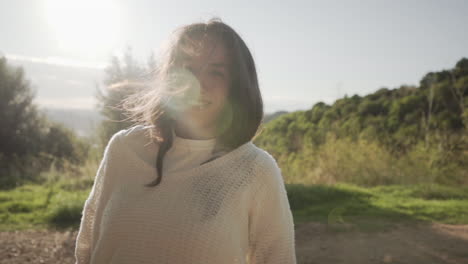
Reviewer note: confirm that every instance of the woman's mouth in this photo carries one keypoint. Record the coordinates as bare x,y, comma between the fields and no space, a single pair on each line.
201,105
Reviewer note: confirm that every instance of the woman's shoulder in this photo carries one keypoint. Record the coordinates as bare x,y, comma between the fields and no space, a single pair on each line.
264,158
137,142
134,131
268,174
266,165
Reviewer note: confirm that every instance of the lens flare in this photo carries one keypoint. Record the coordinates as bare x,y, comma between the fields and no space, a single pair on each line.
184,90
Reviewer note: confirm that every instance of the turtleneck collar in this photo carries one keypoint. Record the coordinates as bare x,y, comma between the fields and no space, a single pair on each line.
192,143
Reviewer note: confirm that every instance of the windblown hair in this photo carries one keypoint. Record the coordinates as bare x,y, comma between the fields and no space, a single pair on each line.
242,115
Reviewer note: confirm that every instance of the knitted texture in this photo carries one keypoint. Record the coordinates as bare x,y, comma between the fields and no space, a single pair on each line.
233,209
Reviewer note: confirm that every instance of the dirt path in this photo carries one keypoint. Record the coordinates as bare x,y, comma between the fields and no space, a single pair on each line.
436,243
315,243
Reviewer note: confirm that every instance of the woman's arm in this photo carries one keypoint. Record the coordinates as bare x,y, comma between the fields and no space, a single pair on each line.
95,203
271,226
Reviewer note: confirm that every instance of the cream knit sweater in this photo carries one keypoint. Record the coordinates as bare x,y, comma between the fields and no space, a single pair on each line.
233,209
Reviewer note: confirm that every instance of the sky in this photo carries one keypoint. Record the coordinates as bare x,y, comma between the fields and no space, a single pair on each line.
305,51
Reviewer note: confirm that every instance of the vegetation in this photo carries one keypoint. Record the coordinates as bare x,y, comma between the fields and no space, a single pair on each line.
268,117
58,204
378,207
122,79
29,143
391,156
405,135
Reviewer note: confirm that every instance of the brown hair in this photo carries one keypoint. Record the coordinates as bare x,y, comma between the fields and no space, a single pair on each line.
243,112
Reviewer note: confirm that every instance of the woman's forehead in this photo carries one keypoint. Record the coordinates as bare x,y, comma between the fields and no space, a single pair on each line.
207,49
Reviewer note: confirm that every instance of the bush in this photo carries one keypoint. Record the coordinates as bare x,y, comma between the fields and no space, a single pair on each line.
65,210
368,163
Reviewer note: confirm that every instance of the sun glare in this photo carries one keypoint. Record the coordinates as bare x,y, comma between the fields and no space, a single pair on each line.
84,26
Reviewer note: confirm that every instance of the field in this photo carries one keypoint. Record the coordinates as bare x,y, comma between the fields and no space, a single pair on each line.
334,224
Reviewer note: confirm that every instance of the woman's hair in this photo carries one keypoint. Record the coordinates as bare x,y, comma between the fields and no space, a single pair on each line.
242,115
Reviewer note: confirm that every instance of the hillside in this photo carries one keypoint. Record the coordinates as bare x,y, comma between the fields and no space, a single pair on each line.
81,121
426,122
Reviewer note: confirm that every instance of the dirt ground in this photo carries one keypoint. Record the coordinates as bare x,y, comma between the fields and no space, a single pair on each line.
315,243
435,243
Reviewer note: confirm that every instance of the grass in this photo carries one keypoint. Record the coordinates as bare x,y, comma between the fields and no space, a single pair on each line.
59,205
379,207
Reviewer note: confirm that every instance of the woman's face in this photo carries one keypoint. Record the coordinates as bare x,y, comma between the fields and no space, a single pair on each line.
211,68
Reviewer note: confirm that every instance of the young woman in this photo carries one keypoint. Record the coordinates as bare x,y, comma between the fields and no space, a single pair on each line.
186,184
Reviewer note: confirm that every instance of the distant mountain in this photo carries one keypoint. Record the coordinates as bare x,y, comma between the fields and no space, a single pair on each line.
270,116
82,121
399,118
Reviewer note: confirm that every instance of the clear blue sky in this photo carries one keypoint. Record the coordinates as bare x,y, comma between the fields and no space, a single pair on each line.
305,51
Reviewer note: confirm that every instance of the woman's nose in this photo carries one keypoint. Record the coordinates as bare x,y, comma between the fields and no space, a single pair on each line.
195,72
199,73
201,79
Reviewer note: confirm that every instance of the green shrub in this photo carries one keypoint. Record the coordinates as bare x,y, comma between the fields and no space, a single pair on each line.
19,207
65,210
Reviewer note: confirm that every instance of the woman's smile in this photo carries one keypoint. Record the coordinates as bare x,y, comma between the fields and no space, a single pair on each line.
201,106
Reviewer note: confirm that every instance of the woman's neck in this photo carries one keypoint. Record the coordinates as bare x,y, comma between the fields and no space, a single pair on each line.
191,132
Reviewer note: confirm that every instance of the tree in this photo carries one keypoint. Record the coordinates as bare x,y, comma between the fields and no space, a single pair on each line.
459,87
122,76
22,125
29,143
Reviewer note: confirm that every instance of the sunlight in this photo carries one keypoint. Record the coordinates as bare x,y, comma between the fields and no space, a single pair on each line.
84,26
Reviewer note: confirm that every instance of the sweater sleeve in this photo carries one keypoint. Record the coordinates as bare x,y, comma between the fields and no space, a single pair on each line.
95,203
271,225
